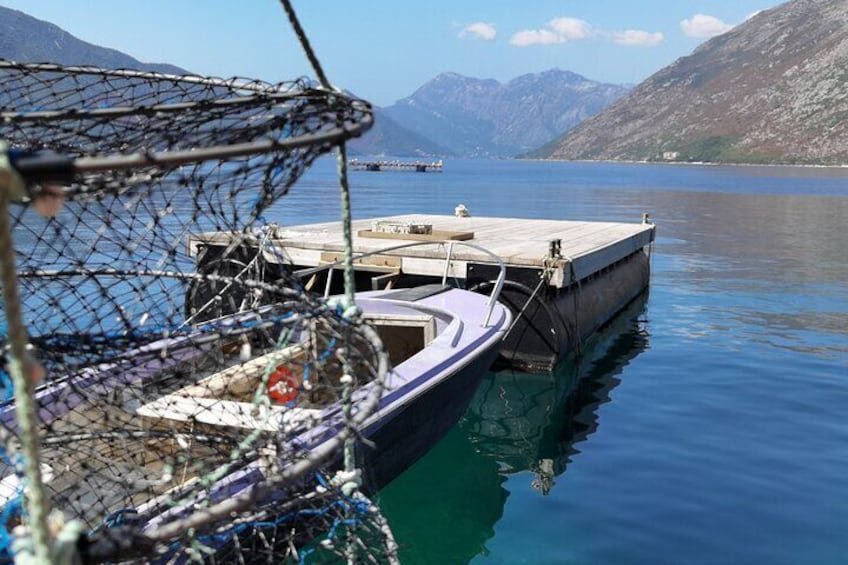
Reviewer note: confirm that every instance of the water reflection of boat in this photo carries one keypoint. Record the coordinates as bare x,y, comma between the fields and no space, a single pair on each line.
533,421
445,507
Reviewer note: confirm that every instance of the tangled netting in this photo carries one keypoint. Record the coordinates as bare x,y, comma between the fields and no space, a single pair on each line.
185,412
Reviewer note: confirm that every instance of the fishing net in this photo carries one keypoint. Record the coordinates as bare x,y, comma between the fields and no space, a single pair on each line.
183,412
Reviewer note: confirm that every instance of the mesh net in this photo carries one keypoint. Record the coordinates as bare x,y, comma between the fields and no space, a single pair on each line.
183,412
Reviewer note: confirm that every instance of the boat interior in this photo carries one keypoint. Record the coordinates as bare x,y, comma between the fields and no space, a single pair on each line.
299,381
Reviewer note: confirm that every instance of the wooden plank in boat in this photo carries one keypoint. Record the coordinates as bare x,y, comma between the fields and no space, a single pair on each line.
224,413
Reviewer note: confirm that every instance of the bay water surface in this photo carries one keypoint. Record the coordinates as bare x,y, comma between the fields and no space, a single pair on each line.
707,424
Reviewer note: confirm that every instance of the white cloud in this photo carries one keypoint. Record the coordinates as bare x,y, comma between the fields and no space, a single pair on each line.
558,30
479,30
637,38
535,37
702,26
570,29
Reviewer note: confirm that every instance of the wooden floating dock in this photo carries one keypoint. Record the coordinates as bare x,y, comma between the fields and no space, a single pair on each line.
586,247
565,279
414,166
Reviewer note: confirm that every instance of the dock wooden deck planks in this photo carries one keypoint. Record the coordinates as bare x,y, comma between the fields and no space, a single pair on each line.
587,247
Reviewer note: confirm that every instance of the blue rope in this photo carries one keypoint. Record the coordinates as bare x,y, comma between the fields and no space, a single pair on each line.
11,511
7,386
219,539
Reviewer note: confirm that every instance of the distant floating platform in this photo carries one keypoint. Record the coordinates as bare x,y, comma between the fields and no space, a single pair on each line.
412,166
564,279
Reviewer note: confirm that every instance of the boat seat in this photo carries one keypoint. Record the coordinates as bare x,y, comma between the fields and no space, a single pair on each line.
416,293
172,409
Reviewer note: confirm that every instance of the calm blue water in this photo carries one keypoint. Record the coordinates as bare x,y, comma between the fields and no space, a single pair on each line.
709,424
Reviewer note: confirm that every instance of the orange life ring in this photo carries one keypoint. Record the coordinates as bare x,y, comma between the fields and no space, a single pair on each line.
282,385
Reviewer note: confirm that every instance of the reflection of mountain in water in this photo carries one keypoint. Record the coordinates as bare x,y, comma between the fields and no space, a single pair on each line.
533,421
445,507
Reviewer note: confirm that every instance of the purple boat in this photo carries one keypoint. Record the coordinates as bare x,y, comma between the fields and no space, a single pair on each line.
165,450
440,341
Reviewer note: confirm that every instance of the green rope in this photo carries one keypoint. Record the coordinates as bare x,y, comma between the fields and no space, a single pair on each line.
347,230
12,185
350,311
304,43
342,156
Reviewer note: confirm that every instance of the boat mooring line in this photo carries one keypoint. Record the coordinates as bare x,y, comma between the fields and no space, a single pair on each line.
542,280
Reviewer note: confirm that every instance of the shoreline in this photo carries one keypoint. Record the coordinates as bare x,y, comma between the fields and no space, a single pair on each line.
683,163
633,162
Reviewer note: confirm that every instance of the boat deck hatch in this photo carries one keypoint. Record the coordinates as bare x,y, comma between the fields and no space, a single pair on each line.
403,335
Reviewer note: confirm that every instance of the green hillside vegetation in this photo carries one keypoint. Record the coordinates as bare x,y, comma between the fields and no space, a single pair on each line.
718,149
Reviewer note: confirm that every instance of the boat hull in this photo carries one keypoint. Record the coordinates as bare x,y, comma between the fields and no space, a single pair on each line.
402,437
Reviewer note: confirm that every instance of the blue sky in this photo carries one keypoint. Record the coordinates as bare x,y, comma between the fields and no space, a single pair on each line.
383,50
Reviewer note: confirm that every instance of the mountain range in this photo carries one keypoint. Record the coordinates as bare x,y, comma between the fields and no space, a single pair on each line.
485,118
774,89
451,115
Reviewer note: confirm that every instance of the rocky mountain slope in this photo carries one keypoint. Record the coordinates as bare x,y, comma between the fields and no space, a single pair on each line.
28,40
476,117
773,89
